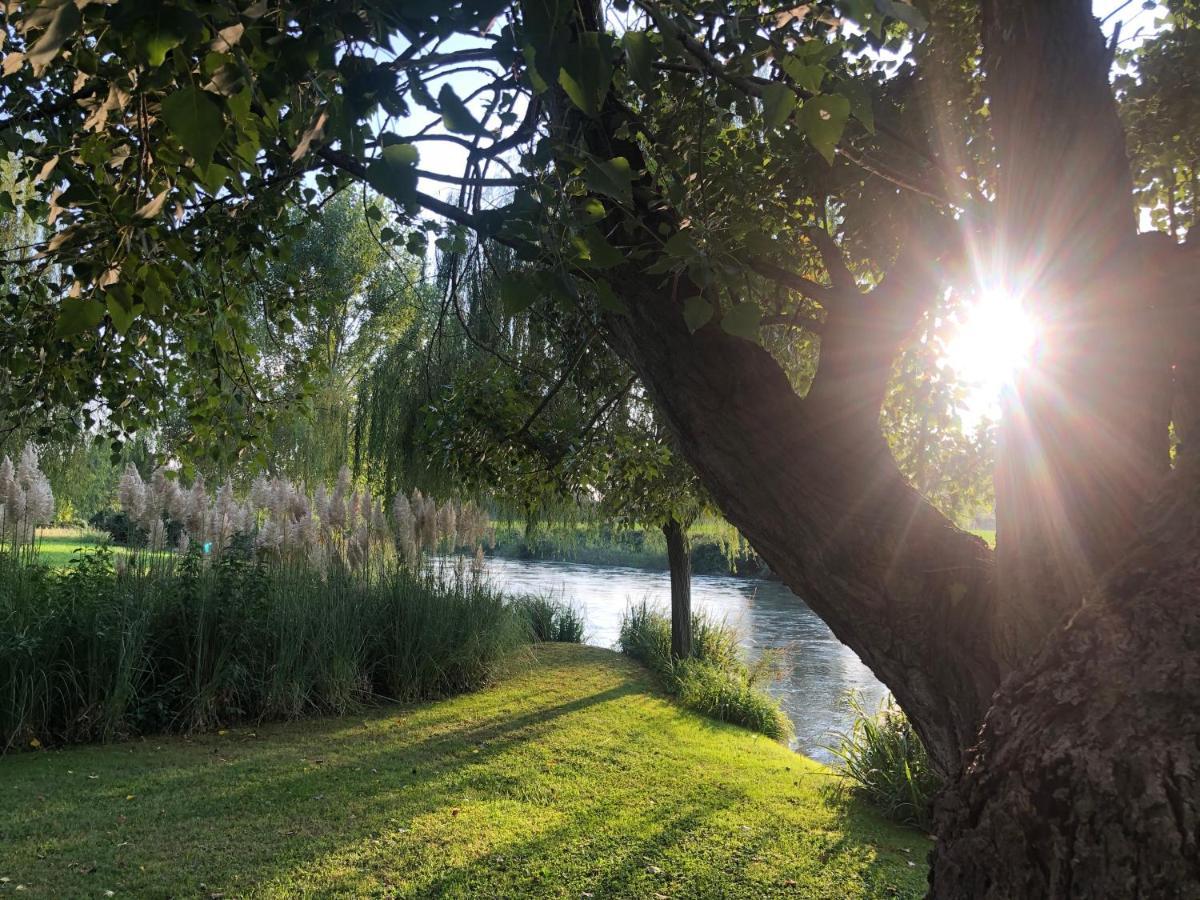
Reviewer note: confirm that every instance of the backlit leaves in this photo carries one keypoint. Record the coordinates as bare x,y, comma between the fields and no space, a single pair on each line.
824,119
587,73
455,115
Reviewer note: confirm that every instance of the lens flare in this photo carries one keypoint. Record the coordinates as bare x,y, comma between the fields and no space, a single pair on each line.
991,340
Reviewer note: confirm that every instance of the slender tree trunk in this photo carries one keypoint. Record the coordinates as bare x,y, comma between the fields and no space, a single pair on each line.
680,561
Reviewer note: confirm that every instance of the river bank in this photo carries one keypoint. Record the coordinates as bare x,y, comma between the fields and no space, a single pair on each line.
716,547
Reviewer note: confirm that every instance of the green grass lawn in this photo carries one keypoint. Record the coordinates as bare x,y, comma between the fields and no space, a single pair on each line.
574,777
988,534
56,546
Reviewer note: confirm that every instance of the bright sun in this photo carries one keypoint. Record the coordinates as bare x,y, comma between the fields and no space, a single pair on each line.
990,341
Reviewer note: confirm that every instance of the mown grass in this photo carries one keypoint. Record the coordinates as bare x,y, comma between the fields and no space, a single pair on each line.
574,775
56,546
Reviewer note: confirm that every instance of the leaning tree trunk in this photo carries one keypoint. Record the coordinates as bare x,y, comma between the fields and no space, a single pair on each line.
680,562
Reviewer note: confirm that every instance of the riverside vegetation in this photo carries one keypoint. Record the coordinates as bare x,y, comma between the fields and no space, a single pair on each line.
296,608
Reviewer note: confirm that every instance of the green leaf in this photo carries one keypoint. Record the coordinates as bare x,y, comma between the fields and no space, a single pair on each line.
455,115
194,117
743,321
824,120
590,211
696,313
399,154
536,81
121,317
394,173
62,25
905,12
778,102
516,294
156,44
612,178
587,73
608,300
860,103
601,253
638,54
681,245
76,316
807,77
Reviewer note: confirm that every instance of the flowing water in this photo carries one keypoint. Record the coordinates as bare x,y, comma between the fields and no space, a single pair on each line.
819,670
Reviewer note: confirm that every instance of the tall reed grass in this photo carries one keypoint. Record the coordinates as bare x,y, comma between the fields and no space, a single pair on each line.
109,647
885,761
715,681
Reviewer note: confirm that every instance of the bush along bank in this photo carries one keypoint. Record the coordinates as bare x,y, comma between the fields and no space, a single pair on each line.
715,550
715,681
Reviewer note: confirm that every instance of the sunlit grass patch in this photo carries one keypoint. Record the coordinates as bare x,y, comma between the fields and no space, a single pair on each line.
572,775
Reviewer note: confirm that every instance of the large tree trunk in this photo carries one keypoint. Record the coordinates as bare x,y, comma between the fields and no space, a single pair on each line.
680,562
1084,781
1084,436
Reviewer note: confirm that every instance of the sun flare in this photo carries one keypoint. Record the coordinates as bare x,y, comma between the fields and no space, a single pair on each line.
991,340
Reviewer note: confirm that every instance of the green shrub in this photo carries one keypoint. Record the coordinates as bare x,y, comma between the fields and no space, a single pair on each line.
107,648
550,619
715,681
886,762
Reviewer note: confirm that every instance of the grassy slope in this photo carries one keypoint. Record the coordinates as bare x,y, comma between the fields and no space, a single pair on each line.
573,777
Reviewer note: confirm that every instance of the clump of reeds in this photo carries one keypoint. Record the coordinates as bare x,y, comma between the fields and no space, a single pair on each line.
715,680
26,500
883,758
113,646
346,526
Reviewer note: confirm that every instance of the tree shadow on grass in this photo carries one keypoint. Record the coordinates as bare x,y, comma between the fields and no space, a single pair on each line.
252,791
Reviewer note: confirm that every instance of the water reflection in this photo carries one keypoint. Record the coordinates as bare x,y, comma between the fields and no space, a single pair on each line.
820,668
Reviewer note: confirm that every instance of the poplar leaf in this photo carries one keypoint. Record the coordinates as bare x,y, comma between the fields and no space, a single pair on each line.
153,207
608,300
516,294
455,115
778,102
696,313
743,321
638,52
587,74
61,26
76,316
905,12
121,317
194,117
612,178
824,120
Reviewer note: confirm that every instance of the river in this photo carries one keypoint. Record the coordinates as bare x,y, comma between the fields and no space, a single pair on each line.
819,671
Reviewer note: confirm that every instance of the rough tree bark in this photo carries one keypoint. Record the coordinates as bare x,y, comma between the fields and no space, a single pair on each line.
1065,705
1084,436
679,561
